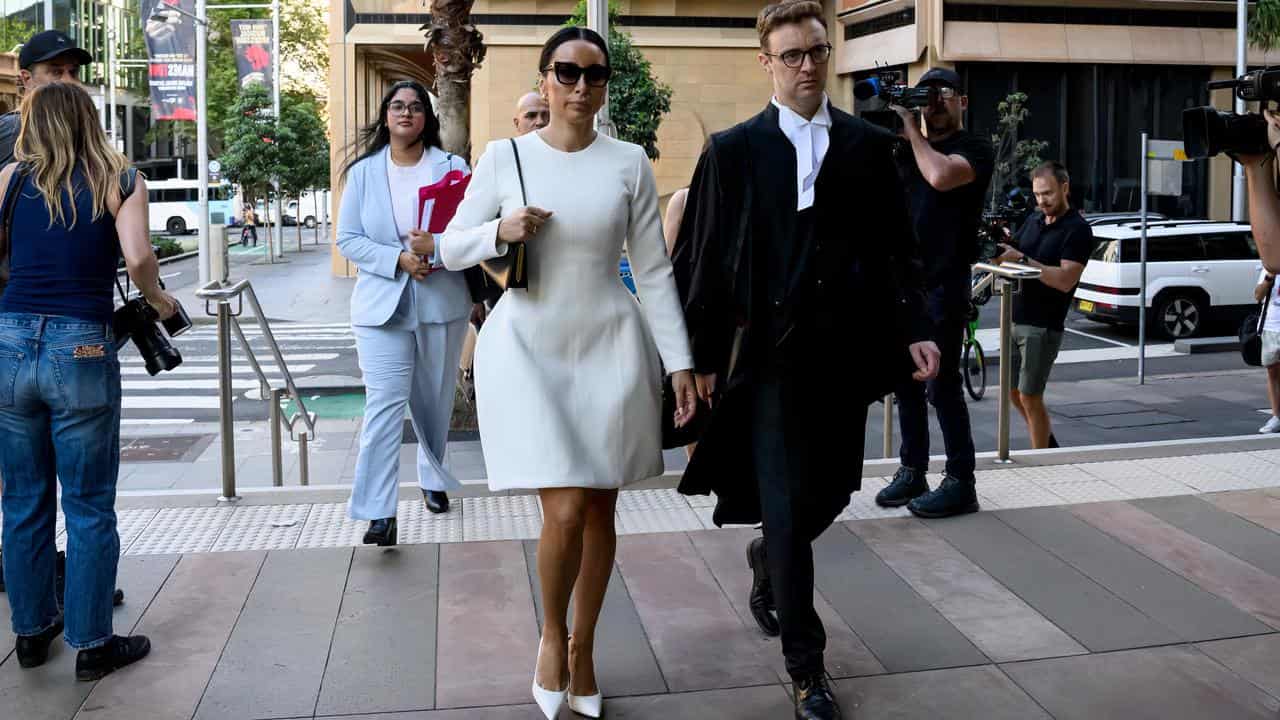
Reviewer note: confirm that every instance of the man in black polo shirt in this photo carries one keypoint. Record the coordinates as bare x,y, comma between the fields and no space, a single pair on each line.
1057,241
946,175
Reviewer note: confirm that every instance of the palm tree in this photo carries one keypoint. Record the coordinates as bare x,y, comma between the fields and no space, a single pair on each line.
458,49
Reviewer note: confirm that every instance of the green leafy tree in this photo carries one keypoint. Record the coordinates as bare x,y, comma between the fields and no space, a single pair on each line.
14,32
1264,25
1013,155
637,99
251,155
303,150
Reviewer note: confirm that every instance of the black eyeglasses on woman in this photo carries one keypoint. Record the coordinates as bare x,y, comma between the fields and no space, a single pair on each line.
568,73
820,54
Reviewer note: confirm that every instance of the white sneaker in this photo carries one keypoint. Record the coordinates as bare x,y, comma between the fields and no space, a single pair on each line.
1272,426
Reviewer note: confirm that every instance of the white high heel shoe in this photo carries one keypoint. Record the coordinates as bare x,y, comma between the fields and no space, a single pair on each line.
586,705
549,701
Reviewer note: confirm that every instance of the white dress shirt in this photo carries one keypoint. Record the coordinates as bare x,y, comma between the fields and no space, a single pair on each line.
811,138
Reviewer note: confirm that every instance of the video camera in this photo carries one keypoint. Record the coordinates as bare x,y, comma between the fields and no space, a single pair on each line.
884,89
1207,131
997,219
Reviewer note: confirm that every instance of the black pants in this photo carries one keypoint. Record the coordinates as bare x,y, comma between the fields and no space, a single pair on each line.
248,232
798,503
948,308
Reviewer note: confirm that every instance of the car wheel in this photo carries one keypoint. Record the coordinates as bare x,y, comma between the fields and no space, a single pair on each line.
310,222
176,226
1179,316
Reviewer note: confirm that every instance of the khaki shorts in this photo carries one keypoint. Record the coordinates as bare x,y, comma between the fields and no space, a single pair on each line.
1270,347
1034,351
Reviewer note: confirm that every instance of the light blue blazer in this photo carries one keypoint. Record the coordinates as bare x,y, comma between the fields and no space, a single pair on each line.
367,236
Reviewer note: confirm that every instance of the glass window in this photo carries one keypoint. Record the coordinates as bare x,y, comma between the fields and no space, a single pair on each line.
1230,246
1106,251
1175,248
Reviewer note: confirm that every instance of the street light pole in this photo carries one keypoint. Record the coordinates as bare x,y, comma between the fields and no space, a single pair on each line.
598,20
278,231
202,140
1237,178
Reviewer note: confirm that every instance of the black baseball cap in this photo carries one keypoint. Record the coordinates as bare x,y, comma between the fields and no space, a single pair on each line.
47,45
941,76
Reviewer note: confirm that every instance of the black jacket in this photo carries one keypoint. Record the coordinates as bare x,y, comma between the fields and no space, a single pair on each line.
859,302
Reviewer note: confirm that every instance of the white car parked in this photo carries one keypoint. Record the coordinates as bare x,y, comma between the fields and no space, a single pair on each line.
1196,271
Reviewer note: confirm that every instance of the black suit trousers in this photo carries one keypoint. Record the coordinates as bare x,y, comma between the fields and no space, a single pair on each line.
795,502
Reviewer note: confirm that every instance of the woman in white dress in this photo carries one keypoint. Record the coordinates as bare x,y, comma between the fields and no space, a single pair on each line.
568,375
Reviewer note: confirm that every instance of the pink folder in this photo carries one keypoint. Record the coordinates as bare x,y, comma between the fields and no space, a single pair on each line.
444,196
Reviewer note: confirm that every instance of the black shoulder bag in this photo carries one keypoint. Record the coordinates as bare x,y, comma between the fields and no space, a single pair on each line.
6,219
1251,333
512,269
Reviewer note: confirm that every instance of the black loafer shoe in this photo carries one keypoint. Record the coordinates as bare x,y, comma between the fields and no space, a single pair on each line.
381,532
96,663
761,601
907,485
33,650
437,501
814,699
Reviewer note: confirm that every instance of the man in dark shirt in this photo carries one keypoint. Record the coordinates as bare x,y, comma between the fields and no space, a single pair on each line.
1057,241
46,57
946,175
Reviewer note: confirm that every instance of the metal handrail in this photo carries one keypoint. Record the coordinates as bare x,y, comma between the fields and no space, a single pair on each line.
222,294
1006,281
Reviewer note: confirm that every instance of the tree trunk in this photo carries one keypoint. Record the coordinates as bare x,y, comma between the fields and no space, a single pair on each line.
458,49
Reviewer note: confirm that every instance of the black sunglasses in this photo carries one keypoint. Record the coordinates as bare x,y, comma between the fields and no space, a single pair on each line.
569,73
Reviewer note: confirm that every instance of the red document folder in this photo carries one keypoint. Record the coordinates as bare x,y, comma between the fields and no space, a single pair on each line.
444,197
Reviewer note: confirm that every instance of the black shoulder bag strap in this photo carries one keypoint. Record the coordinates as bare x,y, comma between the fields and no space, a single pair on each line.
519,171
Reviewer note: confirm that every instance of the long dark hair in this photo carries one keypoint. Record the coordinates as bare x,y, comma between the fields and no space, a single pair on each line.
377,135
569,34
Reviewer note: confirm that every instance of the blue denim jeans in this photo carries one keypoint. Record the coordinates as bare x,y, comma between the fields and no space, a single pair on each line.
59,422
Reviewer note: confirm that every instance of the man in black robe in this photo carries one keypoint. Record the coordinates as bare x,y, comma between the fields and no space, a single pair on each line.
804,300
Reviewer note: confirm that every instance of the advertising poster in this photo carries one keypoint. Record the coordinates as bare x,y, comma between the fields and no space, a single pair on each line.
171,50
252,42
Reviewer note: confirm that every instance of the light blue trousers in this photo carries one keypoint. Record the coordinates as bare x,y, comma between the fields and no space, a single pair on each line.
413,365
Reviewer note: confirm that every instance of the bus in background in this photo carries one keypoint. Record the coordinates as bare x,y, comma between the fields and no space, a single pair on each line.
175,205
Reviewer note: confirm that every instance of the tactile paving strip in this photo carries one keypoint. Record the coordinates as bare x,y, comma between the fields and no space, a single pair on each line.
182,530
1254,471
329,526
644,500
263,527
634,522
131,523
1052,475
501,506
481,528
415,524
1088,491
1013,496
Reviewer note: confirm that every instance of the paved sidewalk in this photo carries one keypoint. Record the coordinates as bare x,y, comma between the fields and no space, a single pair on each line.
1138,606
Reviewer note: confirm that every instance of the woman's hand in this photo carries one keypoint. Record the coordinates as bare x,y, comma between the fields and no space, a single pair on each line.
686,397
422,243
164,304
414,265
522,225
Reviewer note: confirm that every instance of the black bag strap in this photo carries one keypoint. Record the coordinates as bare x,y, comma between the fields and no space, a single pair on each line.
11,198
1266,303
519,171
128,183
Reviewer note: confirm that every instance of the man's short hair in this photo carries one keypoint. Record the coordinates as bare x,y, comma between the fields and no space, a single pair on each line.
1055,170
774,16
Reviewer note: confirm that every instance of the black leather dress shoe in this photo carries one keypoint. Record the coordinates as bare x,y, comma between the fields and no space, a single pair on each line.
33,650
96,663
381,532
761,601
814,699
437,501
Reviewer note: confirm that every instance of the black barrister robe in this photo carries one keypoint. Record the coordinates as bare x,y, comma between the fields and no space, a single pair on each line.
841,328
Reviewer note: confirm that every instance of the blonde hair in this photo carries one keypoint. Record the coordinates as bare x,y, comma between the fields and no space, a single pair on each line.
784,13
60,133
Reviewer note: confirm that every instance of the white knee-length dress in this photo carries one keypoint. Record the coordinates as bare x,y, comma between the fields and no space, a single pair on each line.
567,372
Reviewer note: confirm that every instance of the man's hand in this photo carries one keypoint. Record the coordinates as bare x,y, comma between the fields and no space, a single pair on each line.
422,243
910,121
414,265
478,314
927,358
1009,254
686,397
706,385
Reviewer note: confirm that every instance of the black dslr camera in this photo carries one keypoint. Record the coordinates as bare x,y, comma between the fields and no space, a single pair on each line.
1207,131
136,320
885,88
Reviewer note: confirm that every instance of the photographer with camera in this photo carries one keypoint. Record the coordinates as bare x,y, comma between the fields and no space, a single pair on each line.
946,176
71,205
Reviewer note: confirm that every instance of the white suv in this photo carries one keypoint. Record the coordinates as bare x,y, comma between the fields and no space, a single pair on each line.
1196,270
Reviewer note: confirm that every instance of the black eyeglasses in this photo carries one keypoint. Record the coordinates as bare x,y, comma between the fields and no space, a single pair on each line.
820,54
399,108
570,73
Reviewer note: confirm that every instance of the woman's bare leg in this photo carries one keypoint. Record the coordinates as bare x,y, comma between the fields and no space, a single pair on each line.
564,513
600,540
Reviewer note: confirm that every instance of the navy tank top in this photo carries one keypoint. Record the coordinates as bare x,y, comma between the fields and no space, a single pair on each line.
55,270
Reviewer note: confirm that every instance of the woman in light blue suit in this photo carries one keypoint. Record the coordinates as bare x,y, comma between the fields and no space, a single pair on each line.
409,314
